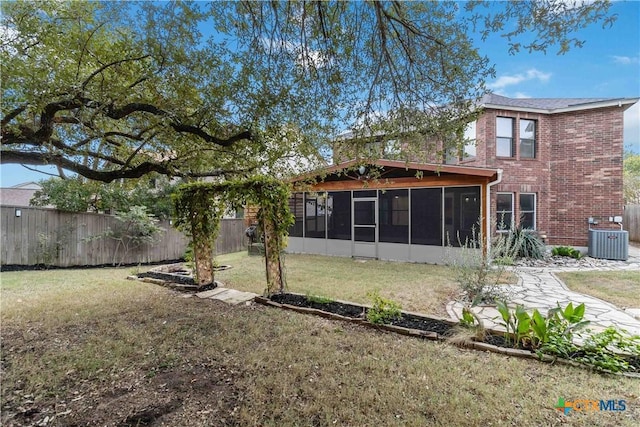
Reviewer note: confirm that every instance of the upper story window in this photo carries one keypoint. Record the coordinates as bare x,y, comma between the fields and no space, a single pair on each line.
467,152
527,139
470,141
504,137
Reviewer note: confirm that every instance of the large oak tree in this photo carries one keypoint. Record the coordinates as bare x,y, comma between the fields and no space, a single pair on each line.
114,90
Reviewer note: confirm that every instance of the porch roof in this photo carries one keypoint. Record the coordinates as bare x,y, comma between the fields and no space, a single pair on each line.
397,169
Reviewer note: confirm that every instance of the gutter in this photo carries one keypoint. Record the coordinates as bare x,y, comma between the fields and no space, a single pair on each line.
488,210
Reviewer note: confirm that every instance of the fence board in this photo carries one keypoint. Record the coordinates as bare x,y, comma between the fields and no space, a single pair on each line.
631,222
63,239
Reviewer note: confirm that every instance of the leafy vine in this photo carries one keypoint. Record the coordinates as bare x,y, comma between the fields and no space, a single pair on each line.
199,208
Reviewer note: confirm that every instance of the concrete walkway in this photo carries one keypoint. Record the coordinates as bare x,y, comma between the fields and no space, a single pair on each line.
540,288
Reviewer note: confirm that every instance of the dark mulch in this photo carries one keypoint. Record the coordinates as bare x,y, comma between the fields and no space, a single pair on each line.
346,310
175,278
17,267
410,321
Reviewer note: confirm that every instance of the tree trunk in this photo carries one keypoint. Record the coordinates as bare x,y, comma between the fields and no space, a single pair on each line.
275,280
203,254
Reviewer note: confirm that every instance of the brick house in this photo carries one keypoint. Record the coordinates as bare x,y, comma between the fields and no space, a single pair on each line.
543,164
561,162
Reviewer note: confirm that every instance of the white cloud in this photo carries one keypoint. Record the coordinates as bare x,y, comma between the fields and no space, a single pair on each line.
510,80
626,60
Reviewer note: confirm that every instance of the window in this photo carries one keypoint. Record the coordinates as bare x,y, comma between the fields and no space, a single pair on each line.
426,216
315,210
339,215
527,139
296,206
469,141
504,137
394,216
466,151
365,193
528,211
504,211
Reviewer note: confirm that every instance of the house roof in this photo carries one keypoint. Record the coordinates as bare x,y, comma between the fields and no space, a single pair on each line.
553,105
16,196
402,168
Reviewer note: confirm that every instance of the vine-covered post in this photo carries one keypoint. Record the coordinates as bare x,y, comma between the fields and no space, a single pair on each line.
198,214
275,278
275,218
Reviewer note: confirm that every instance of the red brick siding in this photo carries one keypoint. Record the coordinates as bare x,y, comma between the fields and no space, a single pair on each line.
586,165
577,172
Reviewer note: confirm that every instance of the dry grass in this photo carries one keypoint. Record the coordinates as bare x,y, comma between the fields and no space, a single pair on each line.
621,288
98,350
418,287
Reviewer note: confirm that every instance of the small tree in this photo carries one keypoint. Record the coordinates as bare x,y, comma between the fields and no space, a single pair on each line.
135,228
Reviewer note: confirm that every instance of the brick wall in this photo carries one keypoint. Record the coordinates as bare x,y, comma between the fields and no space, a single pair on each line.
586,166
577,172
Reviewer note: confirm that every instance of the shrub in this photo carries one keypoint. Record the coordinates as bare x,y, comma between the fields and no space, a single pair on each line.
383,310
519,243
478,279
566,251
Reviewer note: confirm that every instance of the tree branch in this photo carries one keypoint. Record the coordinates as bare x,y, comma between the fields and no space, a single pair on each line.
164,168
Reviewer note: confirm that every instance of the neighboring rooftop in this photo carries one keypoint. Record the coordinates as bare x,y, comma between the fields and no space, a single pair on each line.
18,195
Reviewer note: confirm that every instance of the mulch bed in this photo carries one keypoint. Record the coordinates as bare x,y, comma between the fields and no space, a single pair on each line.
414,325
408,320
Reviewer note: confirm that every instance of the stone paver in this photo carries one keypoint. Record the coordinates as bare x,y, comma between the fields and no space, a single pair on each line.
230,296
540,288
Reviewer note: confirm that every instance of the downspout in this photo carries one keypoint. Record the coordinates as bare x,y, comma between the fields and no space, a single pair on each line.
488,210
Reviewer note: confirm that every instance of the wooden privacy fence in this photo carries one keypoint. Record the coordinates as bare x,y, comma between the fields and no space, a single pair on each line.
631,222
32,236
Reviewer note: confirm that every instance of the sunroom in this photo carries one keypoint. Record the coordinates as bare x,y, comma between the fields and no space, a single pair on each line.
390,210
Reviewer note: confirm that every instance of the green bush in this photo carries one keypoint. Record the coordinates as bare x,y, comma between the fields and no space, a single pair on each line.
566,251
383,310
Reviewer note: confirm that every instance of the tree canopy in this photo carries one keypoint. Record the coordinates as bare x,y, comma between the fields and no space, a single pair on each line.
78,194
631,176
113,90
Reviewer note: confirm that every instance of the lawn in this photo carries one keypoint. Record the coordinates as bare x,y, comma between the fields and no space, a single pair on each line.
419,287
86,347
621,288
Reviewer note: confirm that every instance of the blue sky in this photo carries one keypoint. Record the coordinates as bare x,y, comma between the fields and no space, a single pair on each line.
608,66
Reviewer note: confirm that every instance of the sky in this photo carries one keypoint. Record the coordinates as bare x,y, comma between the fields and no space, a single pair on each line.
607,66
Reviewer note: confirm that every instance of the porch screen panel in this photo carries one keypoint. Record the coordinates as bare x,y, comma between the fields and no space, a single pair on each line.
426,216
393,215
315,211
339,215
296,206
462,215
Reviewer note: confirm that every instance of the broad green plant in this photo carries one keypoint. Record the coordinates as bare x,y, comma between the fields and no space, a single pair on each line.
516,323
606,350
